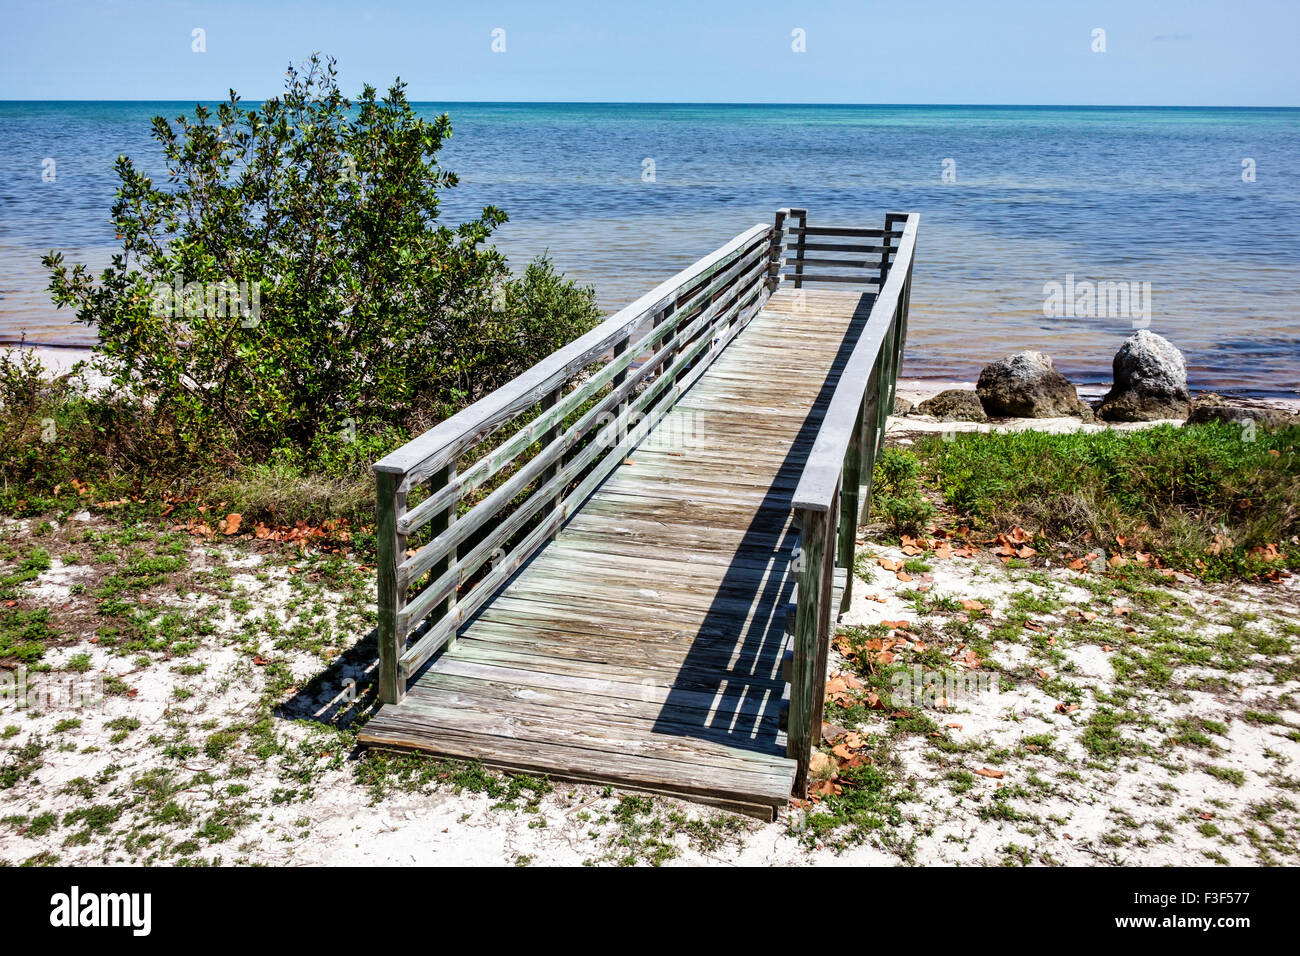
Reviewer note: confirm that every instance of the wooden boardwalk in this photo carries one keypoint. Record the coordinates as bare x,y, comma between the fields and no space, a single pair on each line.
645,642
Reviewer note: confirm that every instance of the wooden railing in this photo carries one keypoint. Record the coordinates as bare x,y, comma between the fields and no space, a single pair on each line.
498,479
463,506
858,255
833,495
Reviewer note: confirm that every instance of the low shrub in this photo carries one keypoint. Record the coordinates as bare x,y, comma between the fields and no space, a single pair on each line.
1194,494
896,493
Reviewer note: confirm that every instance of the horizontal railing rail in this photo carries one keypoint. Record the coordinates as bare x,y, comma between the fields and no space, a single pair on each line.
833,494
552,435
857,255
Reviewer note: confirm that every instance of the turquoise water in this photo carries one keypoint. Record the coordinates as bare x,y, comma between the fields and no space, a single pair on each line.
1146,195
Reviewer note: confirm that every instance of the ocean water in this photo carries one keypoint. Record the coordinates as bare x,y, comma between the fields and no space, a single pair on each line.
1034,196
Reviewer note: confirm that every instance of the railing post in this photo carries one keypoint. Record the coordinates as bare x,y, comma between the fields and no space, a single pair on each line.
829,614
774,251
848,530
904,301
802,214
889,374
654,324
391,549
816,575
887,241
869,439
891,219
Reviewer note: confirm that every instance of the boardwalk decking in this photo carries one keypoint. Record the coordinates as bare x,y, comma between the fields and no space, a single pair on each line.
643,646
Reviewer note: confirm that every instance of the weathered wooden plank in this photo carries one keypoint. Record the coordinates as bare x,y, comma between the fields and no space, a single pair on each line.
616,546
666,564
617,594
686,689
738,622
840,231
742,735
695,537
642,576
718,786
613,638
836,277
612,738
702,493
741,725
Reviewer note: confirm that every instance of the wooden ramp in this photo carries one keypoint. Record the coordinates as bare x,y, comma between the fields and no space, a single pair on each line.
643,643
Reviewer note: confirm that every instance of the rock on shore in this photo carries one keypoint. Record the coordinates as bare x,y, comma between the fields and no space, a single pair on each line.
1210,407
1150,381
954,405
1027,385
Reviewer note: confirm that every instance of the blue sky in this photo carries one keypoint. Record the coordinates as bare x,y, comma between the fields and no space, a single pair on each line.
1238,53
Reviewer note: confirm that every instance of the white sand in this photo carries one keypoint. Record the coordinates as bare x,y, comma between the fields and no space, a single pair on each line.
1065,806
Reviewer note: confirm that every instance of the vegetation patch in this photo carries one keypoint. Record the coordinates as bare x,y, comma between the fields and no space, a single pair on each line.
1200,498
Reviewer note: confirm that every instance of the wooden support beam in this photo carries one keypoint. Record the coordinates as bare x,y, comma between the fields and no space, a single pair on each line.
798,251
390,549
816,571
849,508
869,437
774,253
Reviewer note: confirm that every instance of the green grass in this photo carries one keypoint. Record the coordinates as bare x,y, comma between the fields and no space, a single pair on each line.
1105,737
867,804
21,763
1166,490
1228,775
383,773
24,633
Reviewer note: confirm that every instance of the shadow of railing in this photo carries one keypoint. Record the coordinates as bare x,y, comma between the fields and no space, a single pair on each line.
344,693
745,710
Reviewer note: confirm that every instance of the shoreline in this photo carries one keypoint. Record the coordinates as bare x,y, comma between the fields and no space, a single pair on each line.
60,359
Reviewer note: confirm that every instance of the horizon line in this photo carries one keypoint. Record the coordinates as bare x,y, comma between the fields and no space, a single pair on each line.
450,102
